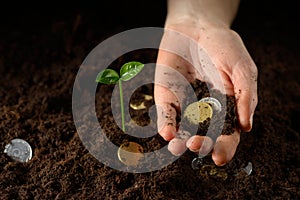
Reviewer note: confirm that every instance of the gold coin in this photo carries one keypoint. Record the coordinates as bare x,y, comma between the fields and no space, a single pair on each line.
148,97
198,112
206,111
140,106
130,153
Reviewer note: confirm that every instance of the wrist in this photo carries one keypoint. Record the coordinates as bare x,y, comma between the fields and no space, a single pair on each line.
205,13
195,21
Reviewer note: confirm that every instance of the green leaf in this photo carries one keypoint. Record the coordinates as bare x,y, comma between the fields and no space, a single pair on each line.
130,70
108,76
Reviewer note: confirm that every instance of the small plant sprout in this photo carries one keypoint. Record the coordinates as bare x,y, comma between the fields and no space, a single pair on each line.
127,72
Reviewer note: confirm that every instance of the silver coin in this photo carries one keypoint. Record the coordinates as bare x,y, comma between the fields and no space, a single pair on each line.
248,169
215,103
197,163
19,150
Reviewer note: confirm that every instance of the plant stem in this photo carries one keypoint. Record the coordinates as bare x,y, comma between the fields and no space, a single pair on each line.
122,105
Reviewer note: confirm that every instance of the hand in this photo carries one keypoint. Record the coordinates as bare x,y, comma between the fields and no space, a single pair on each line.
238,75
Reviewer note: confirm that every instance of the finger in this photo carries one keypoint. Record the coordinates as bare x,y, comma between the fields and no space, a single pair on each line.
200,144
225,148
169,90
244,79
167,108
177,145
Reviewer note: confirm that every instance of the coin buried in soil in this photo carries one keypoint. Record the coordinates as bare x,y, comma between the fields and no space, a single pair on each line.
130,153
140,106
19,150
198,112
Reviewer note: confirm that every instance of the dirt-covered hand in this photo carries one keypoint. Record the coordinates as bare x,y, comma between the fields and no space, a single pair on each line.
234,73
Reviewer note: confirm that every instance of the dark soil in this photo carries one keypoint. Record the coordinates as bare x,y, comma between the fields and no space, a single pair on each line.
41,49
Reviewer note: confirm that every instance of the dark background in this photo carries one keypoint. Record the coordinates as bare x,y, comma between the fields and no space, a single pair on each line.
271,17
23,24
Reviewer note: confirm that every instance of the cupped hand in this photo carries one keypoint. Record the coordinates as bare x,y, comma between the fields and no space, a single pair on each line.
236,75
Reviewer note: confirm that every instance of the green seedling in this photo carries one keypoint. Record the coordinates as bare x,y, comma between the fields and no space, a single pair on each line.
127,72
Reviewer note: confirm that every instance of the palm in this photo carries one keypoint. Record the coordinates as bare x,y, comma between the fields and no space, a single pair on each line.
226,51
